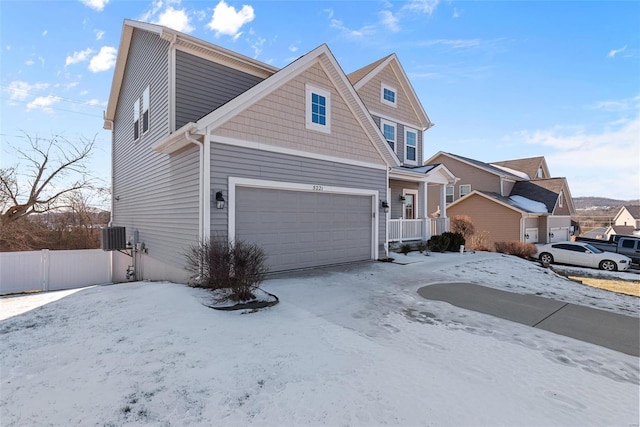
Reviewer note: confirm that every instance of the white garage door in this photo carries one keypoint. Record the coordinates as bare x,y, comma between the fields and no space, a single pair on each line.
559,235
301,229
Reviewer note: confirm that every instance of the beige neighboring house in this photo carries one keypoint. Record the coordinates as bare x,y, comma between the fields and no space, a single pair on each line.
509,200
626,222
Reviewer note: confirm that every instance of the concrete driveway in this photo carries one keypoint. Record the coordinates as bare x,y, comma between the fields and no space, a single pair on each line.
615,331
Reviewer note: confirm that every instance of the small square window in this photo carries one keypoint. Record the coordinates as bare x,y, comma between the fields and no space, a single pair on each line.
318,109
388,95
465,189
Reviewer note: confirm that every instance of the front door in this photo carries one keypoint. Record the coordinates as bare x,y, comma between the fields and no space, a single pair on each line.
410,205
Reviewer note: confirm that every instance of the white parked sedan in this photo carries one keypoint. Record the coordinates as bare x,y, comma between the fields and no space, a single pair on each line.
581,254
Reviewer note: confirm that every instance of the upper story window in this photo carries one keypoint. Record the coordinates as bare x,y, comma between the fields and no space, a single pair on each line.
388,95
411,146
465,189
560,200
449,194
136,120
540,172
145,110
389,132
318,109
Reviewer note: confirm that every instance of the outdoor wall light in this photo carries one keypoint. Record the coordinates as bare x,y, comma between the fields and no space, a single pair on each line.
219,200
402,199
384,205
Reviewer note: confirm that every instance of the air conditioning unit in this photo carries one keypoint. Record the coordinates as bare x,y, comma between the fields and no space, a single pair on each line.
113,238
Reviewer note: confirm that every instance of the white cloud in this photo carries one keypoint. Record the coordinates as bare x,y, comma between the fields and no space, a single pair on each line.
367,30
604,163
424,6
84,92
293,48
257,46
389,21
177,19
227,21
95,4
8,47
614,52
456,12
329,12
44,102
452,43
29,62
80,56
104,60
20,90
71,85
99,34
45,32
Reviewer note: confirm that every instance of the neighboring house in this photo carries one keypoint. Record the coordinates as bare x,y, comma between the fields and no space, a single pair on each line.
625,230
628,216
209,142
505,202
597,233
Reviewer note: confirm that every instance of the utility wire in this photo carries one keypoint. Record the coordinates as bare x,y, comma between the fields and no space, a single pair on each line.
40,93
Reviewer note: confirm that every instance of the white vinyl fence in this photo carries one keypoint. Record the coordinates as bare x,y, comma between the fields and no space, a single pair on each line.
47,270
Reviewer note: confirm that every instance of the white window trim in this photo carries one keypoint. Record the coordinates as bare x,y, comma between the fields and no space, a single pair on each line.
395,132
406,160
560,199
386,102
414,193
460,190
145,108
136,119
453,193
309,90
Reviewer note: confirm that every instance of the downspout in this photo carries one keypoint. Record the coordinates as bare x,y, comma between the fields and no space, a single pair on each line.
206,189
193,140
111,127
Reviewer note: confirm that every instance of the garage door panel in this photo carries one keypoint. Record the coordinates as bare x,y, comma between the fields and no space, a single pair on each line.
305,229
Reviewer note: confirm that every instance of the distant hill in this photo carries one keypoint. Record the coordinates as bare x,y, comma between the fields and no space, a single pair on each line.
601,202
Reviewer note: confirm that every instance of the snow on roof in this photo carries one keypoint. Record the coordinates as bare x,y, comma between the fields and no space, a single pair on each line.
529,205
511,171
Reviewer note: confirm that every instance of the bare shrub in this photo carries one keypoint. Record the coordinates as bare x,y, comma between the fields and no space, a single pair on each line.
516,248
479,242
220,264
462,224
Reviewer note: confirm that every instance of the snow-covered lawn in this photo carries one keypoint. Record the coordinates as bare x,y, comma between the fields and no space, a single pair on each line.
351,346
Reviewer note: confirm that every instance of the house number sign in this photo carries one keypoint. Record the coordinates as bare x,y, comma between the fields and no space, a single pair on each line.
318,188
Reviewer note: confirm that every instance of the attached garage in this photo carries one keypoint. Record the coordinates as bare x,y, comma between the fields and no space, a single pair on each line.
558,234
301,225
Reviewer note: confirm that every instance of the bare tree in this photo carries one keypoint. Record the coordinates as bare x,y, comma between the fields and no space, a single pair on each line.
52,170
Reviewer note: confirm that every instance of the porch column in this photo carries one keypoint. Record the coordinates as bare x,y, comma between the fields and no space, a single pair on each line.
443,201
422,197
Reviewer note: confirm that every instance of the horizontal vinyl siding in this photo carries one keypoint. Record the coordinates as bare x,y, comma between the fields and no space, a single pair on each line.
395,204
499,222
202,86
400,137
157,194
247,163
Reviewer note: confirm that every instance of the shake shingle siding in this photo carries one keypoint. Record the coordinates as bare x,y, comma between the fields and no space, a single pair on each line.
243,162
202,86
156,194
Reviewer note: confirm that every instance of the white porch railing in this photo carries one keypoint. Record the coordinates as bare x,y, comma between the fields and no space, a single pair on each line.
403,230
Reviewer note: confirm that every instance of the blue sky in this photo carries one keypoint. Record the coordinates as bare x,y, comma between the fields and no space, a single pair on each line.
500,80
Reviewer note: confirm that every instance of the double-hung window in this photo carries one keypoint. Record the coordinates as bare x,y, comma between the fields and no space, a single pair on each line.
318,109
465,189
389,132
145,110
388,95
410,146
136,120
449,194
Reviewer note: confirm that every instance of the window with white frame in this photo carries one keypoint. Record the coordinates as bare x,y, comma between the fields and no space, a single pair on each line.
465,189
560,200
318,109
136,119
411,146
540,172
145,110
388,95
389,132
449,193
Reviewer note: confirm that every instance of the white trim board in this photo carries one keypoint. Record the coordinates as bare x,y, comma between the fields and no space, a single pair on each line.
235,182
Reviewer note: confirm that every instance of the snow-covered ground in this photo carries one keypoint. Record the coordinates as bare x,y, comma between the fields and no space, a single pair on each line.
351,346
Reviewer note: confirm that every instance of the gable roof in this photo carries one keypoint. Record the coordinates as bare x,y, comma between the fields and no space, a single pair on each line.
546,191
498,199
634,211
478,164
624,230
360,77
322,55
528,165
182,41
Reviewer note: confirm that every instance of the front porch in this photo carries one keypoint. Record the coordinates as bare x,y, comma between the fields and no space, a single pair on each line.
417,203
405,230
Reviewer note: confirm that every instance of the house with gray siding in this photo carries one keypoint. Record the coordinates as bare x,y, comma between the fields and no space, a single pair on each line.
208,142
